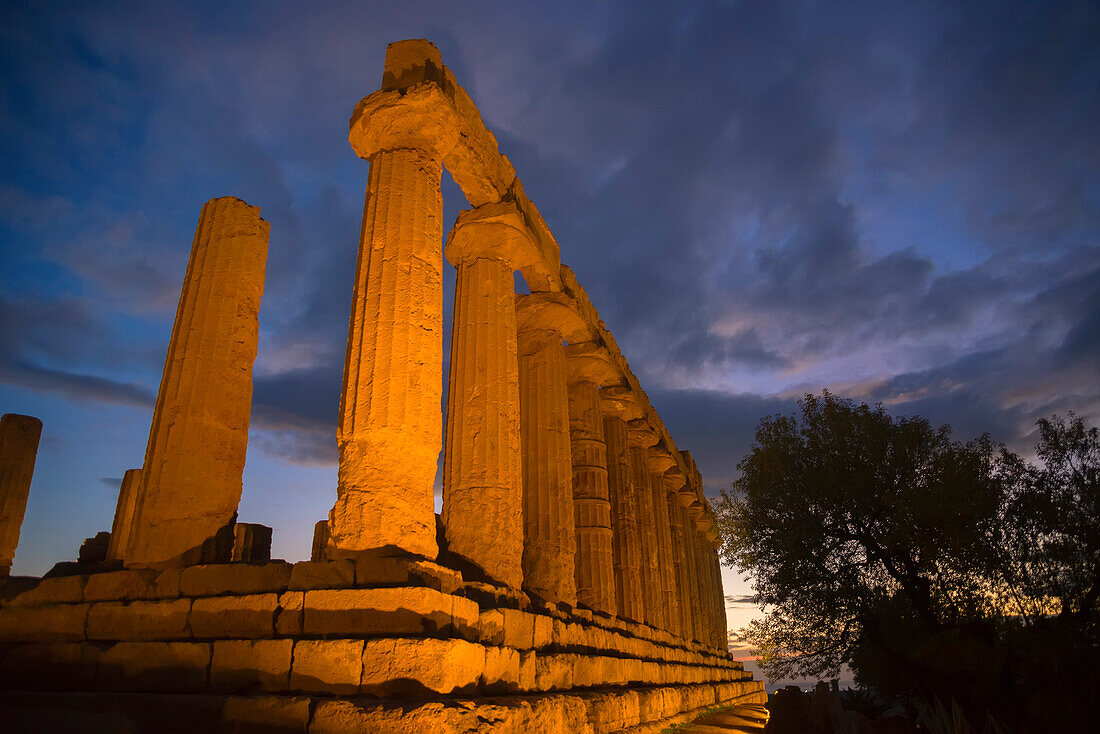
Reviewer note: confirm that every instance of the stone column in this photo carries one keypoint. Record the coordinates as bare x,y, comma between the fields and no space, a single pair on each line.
124,514
545,320
679,578
482,474
640,437
659,461
721,631
706,589
619,407
390,429
590,368
191,479
693,588
19,436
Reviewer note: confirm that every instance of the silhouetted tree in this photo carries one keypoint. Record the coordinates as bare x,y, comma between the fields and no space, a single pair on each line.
931,566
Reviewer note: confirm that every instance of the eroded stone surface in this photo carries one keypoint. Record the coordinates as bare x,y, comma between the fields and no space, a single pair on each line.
589,369
19,436
123,523
190,483
389,434
482,480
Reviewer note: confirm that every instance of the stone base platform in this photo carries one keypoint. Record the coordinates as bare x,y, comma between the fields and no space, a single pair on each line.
381,645
634,711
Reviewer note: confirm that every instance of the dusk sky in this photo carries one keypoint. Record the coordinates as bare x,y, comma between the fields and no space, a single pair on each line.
897,201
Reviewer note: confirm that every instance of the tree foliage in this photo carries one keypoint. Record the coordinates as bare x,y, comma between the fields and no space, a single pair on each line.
929,565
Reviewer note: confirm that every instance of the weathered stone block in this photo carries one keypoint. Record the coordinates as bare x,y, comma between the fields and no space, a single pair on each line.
327,666
139,620
56,623
251,543
613,711
288,618
246,665
252,615
388,611
392,571
323,575
417,668
234,578
59,590
54,666
554,672
179,667
94,550
256,714
502,670
129,585
490,627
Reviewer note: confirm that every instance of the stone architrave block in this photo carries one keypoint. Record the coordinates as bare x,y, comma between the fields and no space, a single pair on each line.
322,575
418,668
265,714
66,666
288,618
140,620
327,666
247,665
56,623
220,617
234,578
60,590
387,611
133,584
177,667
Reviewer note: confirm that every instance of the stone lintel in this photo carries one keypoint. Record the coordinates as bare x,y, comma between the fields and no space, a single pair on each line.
411,62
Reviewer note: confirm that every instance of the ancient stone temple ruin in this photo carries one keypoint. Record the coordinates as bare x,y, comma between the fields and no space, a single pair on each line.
570,584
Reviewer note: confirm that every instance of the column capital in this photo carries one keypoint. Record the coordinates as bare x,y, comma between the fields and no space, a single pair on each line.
420,118
660,460
640,433
590,362
620,401
554,313
496,231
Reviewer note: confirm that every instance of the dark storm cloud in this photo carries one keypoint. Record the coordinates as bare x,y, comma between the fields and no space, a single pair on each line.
762,199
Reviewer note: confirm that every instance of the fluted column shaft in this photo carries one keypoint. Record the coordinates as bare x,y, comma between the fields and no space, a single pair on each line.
648,539
19,435
192,476
694,587
666,558
626,554
591,504
482,476
679,575
549,550
390,420
125,507
722,631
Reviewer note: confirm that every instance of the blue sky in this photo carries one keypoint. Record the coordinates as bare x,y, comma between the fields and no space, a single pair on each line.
899,201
